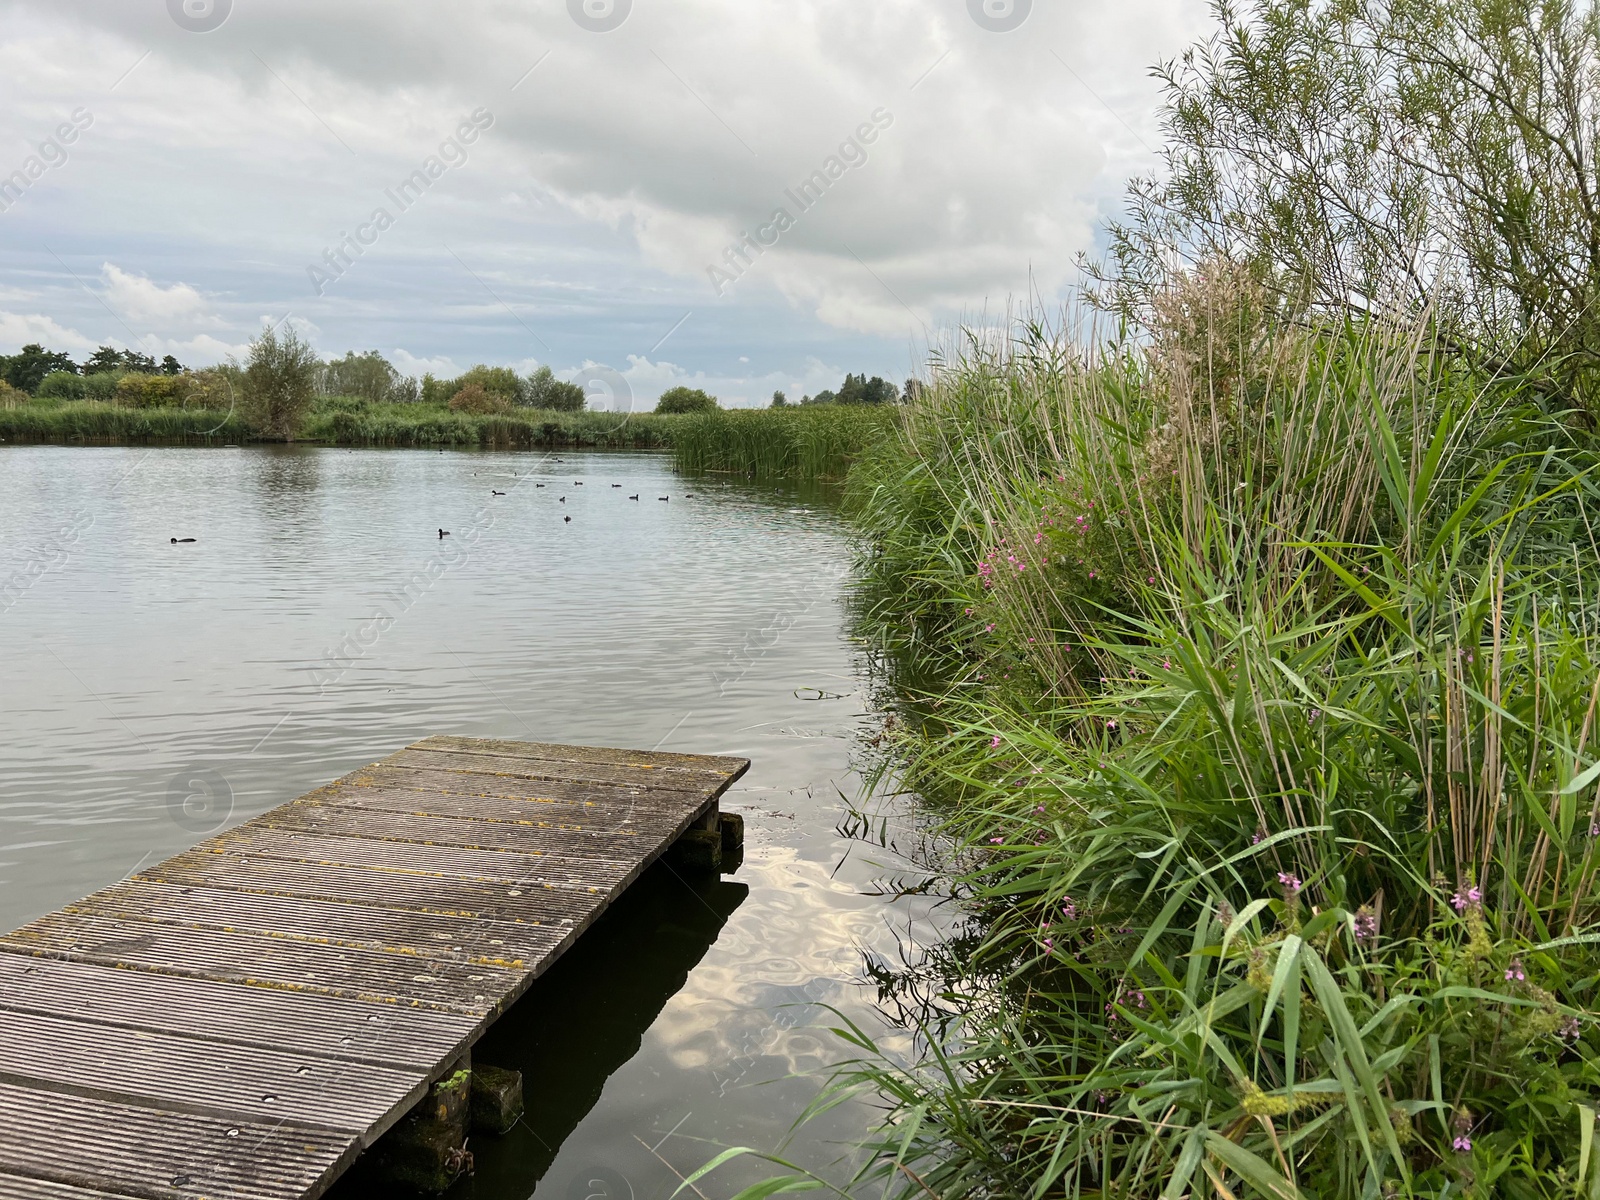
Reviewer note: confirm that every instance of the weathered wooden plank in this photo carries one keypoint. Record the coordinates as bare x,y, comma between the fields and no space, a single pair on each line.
188,1074
338,1029
731,768
15,1187
362,927
513,803
602,871
534,791
134,1151
663,778
267,962
533,904
528,837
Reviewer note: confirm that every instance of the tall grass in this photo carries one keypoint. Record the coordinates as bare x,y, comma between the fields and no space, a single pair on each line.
809,442
88,421
1264,767
349,422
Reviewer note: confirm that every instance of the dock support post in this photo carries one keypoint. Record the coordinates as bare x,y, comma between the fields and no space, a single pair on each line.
496,1099
699,848
730,828
427,1150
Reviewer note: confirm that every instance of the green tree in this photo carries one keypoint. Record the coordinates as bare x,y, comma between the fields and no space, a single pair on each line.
497,381
685,400
474,398
171,366
103,360
543,390
858,389
1405,156
280,381
779,400
108,359
369,376
26,369
435,390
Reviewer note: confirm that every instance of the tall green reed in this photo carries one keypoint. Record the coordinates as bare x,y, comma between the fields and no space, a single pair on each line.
814,442
1264,766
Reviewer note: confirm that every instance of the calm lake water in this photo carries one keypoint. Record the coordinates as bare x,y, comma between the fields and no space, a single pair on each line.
154,692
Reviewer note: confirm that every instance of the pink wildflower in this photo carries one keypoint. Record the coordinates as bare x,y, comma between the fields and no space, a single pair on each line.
1291,883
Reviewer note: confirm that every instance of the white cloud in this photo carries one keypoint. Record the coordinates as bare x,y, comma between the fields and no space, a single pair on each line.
409,364
144,301
202,350
613,175
19,329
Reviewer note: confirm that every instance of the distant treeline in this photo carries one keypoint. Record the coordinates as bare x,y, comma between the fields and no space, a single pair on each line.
137,380
284,391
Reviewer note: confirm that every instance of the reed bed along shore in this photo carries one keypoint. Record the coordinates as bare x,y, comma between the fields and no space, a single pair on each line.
1250,679
816,443
109,424
811,442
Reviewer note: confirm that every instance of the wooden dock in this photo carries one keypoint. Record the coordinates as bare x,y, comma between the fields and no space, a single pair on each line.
246,1018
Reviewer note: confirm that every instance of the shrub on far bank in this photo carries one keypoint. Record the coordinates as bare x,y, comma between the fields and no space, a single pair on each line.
497,381
475,398
68,385
369,375
686,400
544,390
280,382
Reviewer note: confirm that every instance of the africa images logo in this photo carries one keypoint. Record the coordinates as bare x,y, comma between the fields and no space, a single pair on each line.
199,16
999,16
599,16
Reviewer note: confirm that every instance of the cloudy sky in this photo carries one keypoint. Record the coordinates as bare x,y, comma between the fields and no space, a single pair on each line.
228,163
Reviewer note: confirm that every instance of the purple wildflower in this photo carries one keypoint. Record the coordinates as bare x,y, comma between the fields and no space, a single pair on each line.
1291,883
1366,924
1462,1143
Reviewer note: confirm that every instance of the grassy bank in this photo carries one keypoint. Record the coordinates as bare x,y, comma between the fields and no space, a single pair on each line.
107,424
809,443
1263,769
815,443
346,422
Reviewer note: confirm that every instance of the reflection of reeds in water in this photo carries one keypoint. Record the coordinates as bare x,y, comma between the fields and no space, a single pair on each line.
1261,758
